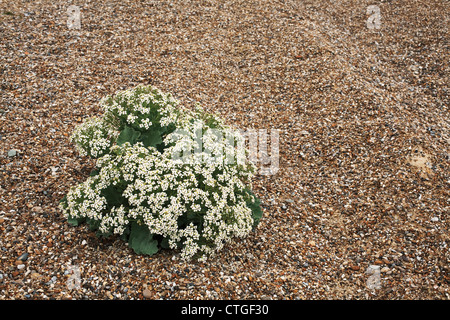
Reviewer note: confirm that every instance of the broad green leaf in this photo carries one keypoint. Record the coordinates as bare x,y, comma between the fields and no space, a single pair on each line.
93,224
94,172
63,201
151,138
75,221
164,243
255,207
124,236
141,240
128,135
113,196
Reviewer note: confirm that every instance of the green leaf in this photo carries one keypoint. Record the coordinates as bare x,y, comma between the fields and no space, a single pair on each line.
93,224
113,196
256,212
63,201
255,206
141,240
165,243
94,172
128,135
124,236
75,221
151,138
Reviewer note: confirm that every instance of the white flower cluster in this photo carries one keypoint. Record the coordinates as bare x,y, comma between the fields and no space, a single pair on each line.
141,107
93,137
192,193
85,201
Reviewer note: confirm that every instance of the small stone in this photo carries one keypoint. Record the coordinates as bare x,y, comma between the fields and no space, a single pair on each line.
23,257
384,270
20,266
36,209
12,153
312,243
52,280
354,267
378,262
147,293
435,219
35,275
83,243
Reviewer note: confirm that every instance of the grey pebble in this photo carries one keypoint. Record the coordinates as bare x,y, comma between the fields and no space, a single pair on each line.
12,153
23,257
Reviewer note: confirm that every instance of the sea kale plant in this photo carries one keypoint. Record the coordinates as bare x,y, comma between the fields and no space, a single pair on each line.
165,176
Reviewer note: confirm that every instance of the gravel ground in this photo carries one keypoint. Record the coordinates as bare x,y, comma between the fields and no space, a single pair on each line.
364,159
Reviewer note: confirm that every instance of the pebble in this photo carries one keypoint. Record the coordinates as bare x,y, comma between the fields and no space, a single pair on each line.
20,266
35,275
52,280
12,153
147,293
37,209
23,257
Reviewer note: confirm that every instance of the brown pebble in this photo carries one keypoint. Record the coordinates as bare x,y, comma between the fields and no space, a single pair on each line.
354,267
35,275
147,293
378,262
